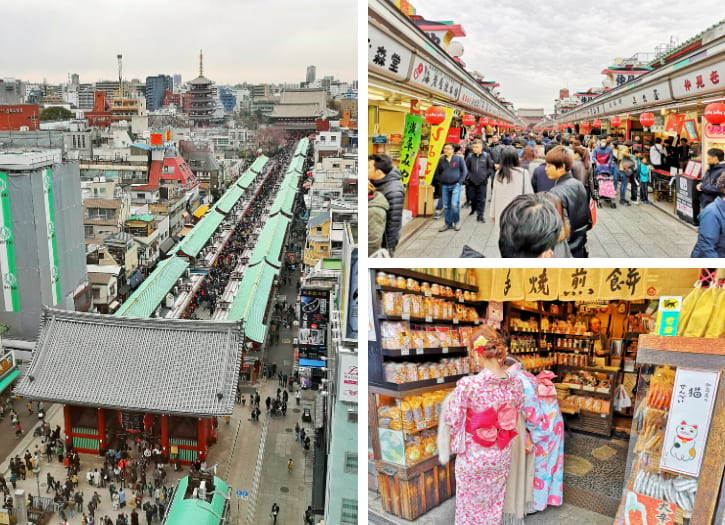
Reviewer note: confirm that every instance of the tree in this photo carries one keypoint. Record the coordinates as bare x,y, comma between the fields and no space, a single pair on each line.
56,113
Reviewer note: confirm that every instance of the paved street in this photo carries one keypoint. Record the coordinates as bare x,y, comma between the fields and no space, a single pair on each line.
627,231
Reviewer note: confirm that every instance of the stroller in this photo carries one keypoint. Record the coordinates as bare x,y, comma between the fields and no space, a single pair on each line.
604,186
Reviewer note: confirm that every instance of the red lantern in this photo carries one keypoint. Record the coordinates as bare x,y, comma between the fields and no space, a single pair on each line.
584,124
483,121
715,113
469,120
616,122
647,119
597,123
435,115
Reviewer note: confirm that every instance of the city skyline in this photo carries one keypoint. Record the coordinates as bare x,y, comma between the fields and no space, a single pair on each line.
88,45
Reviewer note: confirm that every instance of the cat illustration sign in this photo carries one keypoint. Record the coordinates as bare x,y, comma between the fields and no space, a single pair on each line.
688,423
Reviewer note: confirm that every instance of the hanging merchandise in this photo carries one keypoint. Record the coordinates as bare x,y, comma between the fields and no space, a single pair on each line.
621,399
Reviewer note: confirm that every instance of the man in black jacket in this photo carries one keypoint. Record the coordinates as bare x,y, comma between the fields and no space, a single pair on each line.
708,185
480,168
386,180
573,197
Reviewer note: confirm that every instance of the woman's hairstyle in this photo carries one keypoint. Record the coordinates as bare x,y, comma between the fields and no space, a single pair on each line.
558,157
584,154
528,154
509,161
554,199
487,342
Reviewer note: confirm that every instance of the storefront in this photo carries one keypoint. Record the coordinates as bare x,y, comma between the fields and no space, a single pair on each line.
611,337
8,371
419,98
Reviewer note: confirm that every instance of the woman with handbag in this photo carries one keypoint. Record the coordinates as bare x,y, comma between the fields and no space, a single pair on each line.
481,416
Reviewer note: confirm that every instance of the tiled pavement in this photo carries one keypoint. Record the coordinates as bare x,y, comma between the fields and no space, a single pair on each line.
627,231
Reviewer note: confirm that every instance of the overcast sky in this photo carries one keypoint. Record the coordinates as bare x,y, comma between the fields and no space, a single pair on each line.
243,40
534,48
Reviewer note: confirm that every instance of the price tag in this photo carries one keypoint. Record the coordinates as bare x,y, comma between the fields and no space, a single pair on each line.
428,318
420,425
404,351
405,316
440,380
455,320
444,350
428,293
418,351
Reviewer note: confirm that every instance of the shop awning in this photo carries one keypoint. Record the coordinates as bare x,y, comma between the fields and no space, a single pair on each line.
8,379
200,211
312,363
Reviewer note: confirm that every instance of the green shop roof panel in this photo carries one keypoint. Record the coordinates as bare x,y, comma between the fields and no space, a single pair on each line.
227,201
246,179
200,234
194,510
269,243
250,302
153,290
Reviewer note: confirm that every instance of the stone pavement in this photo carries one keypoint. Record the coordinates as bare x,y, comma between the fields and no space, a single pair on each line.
444,513
627,231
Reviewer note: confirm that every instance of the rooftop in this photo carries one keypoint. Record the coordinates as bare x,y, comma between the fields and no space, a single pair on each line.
148,365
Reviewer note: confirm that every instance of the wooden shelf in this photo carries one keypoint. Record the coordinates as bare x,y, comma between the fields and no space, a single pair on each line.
569,335
435,296
423,320
525,309
404,272
414,387
424,351
565,349
592,368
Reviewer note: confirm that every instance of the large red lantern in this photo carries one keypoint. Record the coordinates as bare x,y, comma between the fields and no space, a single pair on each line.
483,121
715,113
616,122
597,123
469,120
435,115
647,119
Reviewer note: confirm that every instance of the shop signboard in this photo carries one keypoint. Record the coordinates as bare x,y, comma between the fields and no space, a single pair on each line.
7,364
622,283
349,289
348,380
387,56
438,136
49,208
431,77
688,424
706,79
668,315
11,294
713,136
410,145
674,123
379,139
688,203
639,508
690,129
314,317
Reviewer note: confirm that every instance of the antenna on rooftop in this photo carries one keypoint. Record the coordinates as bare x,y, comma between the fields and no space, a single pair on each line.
120,79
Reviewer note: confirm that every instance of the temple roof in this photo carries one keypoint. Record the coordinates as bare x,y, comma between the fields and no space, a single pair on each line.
149,365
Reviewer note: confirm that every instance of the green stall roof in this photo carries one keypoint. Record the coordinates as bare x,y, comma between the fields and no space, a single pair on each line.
197,511
269,243
284,200
200,234
227,201
250,302
154,288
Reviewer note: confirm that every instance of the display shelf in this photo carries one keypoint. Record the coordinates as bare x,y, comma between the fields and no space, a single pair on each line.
454,350
454,299
415,387
567,349
528,332
404,272
525,309
605,369
424,320
585,420
568,335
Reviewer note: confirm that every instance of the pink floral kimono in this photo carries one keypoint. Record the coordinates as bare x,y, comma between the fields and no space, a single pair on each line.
482,413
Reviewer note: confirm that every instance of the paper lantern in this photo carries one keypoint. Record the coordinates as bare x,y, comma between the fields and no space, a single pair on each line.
435,115
616,122
647,119
597,123
469,120
715,113
483,121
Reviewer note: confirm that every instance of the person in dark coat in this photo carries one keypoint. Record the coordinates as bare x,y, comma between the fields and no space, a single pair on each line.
711,234
480,167
451,172
708,186
573,197
387,180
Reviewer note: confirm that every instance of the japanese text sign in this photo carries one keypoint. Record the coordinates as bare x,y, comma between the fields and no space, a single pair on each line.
437,141
688,424
578,283
410,145
668,315
508,284
639,508
429,76
540,284
622,283
387,56
703,80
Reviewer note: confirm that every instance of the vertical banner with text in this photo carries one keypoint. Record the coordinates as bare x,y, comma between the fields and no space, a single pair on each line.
438,136
49,205
11,295
410,145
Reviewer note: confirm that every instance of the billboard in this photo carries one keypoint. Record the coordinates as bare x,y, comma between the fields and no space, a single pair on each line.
347,380
314,319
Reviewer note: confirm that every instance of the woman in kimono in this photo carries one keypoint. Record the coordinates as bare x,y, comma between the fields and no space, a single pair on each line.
481,416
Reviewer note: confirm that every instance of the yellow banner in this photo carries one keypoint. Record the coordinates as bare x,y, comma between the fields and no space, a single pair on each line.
540,284
507,284
438,136
579,284
623,283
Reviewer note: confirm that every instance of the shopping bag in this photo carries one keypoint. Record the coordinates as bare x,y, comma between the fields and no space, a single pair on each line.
593,212
622,399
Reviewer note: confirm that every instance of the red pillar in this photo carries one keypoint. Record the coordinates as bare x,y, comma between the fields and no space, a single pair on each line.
201,437
164,435
101,429
68,424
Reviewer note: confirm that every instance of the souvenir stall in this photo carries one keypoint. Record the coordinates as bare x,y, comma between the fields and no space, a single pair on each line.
585,327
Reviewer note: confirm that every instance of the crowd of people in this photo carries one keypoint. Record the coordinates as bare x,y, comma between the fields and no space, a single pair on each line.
574,173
